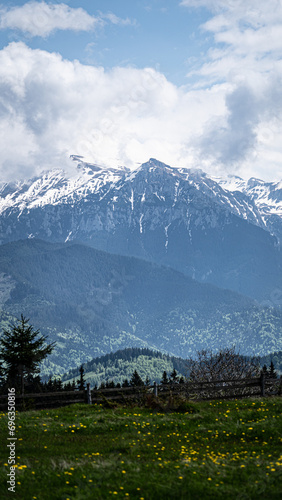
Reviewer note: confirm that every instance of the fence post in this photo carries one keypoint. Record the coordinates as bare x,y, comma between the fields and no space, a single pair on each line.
89,400
155,390
262,384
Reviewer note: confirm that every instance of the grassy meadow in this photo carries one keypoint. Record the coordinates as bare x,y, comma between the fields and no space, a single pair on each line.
218,449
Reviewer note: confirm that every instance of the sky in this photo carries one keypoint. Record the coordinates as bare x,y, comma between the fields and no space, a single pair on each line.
193,83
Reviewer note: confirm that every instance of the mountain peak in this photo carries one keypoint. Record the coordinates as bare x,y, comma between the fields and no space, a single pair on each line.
254,200
154,163
95,167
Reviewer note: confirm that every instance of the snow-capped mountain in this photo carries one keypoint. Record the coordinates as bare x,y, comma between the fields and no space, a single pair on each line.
215,230
54,187
266,196
253,200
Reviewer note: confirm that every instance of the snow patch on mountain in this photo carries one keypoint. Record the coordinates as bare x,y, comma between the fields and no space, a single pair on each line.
54,187
256,201
266,197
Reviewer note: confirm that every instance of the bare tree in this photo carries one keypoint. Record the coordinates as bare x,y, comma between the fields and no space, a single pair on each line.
222,365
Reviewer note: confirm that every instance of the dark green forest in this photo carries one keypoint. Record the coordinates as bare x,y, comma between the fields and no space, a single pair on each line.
91,303
120,365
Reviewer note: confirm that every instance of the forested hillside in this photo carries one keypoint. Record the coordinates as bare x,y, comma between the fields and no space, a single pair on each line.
120,365
91,303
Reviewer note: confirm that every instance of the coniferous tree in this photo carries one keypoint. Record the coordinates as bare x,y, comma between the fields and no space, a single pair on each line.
68,387
110,384
173,376
22,351
81,385
265,370
33,384
164,380
125,383
272,372
136,380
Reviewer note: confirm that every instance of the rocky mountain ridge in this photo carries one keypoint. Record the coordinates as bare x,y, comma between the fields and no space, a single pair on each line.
253,200
219,231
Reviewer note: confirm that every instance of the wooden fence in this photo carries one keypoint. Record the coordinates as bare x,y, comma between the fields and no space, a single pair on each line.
45,400
226,389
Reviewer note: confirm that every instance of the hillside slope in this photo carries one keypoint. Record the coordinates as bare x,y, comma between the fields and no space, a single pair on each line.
92,302
120,365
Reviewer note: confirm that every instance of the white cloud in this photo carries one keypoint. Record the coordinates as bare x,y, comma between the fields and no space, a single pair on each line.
231,119
248,34
212,5
51,108
41,18
117,20
255,30
246,55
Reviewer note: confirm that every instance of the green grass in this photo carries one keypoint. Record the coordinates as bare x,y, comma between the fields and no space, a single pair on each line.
220,449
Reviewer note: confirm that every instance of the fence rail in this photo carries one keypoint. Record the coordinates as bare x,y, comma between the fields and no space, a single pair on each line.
215,389
222,389
44,400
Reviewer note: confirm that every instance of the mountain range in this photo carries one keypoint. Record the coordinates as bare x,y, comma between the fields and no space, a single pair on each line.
160,257
226,231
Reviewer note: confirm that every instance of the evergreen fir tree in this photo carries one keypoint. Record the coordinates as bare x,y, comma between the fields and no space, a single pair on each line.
125,383
272,372
33,384
21,352
110,384
164,380
265,370
173,377
68,387
136,380
81,385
